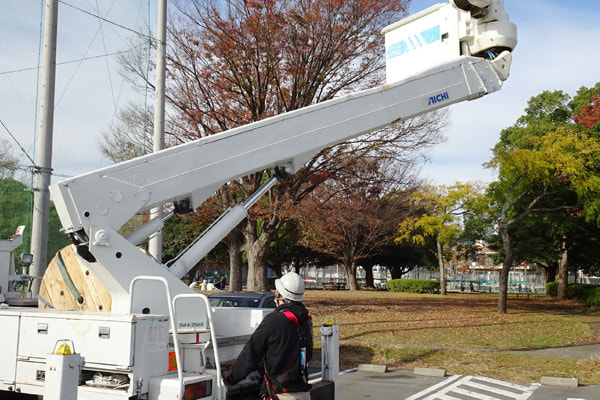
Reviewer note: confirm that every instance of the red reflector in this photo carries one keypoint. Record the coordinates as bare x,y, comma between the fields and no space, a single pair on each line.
198,390
172,361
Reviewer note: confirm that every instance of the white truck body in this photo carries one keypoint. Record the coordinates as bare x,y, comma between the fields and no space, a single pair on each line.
157,339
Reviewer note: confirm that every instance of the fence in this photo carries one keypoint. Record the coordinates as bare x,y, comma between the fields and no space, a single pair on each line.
321,277
16,208
482,281
485,281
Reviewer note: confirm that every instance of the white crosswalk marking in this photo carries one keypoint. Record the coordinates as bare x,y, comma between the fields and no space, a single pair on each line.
458,387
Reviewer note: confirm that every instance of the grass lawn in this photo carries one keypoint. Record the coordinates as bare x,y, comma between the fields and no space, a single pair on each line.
462,334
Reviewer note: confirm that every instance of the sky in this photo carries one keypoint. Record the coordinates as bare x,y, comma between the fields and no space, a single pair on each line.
557,50
87,92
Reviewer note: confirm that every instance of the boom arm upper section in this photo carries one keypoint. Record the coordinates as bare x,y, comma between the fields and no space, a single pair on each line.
110,196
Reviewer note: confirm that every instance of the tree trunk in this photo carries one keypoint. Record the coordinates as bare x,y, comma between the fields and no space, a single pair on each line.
563,271
350,268
259,233
503,279
235,241
441,264
368,276
549,272
257,265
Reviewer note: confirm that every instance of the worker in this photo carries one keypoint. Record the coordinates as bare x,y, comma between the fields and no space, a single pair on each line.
222,284
281,347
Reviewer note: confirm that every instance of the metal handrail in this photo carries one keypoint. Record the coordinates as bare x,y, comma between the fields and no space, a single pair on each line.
220,382
171,319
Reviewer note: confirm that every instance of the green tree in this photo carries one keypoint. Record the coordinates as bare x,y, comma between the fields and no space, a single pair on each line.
285,249
8,161
15,200
400,258
546,164
441,217
15,209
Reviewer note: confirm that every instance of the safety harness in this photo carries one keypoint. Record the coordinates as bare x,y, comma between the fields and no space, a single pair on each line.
273,384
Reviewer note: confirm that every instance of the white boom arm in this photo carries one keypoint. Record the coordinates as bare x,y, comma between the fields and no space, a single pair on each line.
97,204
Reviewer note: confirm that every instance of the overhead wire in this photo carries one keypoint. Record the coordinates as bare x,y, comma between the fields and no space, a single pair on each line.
115,53
92,42
76,68
110,82
107,20
17,142
147,38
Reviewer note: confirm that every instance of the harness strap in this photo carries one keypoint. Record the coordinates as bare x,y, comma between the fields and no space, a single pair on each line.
272,384
290,315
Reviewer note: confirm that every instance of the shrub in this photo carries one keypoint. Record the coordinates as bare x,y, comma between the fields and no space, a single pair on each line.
593,299
587,294
552,289
413,286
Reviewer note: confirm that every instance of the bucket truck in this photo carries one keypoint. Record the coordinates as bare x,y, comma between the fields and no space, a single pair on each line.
138,330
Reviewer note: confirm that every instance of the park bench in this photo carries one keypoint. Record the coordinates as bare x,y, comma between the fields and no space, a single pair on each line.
334,285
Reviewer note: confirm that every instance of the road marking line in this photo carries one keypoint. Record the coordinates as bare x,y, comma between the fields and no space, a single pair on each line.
461,386
434,387
503,383
477,395
496,390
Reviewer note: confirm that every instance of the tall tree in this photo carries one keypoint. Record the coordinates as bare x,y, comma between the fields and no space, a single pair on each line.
546,164
128,136
15,209
354,219
401,258
233,62
440,215
8,162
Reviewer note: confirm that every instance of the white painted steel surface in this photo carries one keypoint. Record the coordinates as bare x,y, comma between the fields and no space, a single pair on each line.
101,201
62,376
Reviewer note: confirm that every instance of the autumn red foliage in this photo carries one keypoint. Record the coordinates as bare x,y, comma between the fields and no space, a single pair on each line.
232,62
589,115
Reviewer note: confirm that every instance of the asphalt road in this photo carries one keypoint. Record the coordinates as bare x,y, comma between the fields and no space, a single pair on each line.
406,385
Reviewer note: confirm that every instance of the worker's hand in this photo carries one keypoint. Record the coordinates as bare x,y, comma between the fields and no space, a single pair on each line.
225,373
226,369
229,363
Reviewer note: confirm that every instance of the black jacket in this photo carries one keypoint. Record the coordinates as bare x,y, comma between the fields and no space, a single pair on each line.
276,344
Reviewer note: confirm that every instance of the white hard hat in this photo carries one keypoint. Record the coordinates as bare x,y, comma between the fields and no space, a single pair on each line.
290,286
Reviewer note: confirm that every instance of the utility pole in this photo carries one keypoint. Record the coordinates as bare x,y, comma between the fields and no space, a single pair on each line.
43,158
155,242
